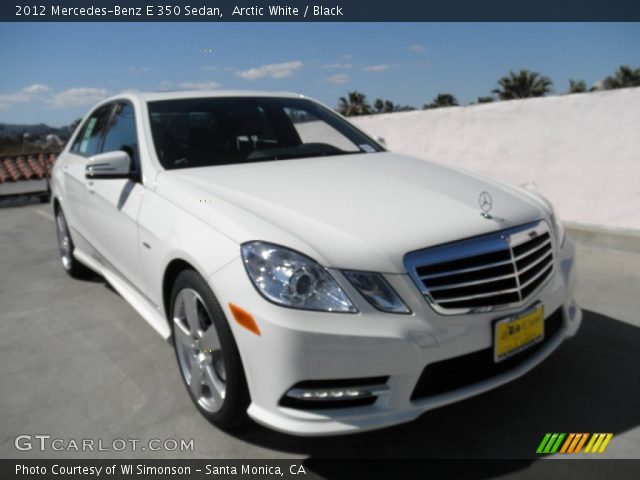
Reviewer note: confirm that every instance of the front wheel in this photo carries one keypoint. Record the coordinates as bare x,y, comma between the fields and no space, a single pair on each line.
207,354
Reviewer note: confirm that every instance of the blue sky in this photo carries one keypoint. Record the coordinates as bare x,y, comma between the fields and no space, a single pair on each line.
53,72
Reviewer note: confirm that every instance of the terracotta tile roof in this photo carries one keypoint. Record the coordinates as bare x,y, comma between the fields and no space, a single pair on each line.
26,167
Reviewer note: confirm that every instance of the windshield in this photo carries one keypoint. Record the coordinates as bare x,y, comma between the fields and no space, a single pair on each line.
198,132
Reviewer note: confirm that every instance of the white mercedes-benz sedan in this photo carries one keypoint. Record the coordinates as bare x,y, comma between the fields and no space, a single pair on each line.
308,278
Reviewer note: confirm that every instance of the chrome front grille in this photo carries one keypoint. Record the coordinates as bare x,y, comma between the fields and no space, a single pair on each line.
489,272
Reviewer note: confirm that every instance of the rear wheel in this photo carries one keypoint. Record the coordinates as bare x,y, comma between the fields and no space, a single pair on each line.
207,354
65,246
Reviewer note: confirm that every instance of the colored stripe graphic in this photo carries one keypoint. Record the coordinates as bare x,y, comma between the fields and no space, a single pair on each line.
568,442
543,443
581,443
598,442
551,442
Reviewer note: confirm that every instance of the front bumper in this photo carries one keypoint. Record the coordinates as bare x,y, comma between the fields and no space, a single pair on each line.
296,346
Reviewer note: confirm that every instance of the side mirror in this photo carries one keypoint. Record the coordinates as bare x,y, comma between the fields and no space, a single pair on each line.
381,141
109,165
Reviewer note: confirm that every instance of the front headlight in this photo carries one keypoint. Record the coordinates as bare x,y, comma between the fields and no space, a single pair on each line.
291,279
377,291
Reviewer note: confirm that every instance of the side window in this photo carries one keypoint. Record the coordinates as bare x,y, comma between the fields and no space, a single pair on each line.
89,139
121,132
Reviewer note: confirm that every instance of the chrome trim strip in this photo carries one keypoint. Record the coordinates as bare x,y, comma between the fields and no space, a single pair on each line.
534,278
479,295
537,262
515,269
466,270
529,252
474,282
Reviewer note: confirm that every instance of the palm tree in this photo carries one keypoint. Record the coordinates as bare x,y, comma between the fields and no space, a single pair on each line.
624,77
379,105
354,104
389,106
524,84
577,86
443,100
485,99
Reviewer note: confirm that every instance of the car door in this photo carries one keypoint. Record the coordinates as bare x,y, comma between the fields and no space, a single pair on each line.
88,142
113,205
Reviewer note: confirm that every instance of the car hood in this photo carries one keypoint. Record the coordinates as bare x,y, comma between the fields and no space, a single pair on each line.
360,211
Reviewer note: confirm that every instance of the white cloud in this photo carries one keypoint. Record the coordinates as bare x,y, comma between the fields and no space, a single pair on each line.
36,88
338,65
199,85
347,57
273,70
77,97
376,68
416,48
210,68
24,95
338,79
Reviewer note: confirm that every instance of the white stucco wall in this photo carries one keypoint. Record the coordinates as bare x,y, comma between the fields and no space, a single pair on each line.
582,151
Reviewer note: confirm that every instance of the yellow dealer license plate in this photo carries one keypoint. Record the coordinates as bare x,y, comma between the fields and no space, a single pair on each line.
514,334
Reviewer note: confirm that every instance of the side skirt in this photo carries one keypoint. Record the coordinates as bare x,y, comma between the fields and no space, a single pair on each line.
130,294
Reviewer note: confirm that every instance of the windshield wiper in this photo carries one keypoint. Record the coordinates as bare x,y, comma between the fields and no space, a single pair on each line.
293,155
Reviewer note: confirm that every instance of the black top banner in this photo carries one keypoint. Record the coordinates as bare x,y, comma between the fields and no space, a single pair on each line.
319,10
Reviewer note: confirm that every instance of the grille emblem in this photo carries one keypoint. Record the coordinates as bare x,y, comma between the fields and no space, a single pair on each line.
486,202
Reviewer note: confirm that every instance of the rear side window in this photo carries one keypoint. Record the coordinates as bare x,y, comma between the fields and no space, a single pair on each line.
121,133
89,140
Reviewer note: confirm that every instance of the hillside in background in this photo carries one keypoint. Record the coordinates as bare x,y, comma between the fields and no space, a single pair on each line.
16,139
582,150
40,129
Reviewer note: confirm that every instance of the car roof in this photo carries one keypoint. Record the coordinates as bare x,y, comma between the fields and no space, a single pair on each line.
174,95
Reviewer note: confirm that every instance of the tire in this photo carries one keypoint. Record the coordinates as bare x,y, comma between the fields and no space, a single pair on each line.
207,353
65,246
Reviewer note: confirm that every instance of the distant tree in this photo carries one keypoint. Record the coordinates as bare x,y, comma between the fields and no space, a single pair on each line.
577,86
484,100
354,104
624,77
383,106
403,108
442,100
524,84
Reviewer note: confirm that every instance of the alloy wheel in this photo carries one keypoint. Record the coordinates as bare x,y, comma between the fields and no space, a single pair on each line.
64,241
199,350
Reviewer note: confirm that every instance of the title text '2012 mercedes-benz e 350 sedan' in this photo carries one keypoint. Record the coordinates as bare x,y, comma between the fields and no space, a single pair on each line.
307,277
